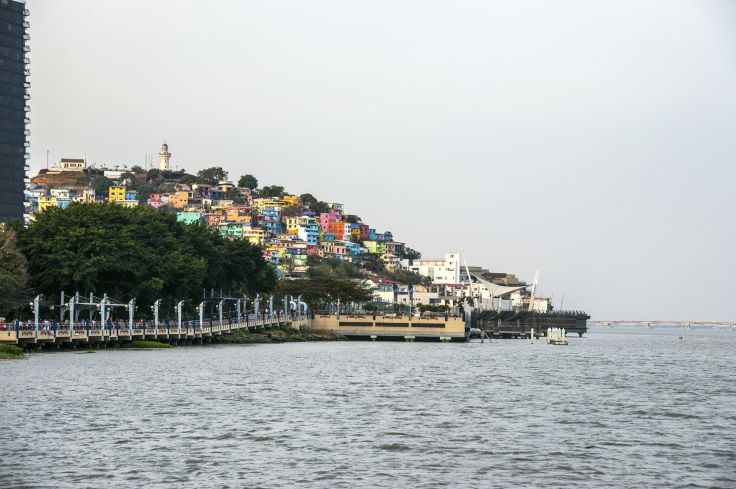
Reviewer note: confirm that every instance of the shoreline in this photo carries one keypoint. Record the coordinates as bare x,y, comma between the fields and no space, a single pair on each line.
239,337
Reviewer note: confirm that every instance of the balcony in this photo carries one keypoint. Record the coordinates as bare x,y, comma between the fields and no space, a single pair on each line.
27,61
27,49
27,37
27,109
26,120
26,97
26,24
26,12
27,72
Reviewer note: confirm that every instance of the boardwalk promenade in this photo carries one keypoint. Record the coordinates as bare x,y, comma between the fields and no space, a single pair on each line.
185,332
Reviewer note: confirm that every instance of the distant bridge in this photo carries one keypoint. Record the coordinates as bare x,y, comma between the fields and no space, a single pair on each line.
684,324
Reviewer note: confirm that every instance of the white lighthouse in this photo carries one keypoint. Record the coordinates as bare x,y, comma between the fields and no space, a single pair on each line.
163,157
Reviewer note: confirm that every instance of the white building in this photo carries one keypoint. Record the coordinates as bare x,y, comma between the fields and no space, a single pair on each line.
69,164
445,271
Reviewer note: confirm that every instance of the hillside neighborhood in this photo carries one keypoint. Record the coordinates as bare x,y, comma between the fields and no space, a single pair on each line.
299,234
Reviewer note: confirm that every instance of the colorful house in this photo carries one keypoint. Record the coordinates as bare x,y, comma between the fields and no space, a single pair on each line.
115,193
308,230
189,217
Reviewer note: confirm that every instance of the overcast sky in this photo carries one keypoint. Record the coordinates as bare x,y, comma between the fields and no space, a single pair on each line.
594,141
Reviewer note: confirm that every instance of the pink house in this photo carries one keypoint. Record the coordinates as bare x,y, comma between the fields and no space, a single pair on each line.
325,218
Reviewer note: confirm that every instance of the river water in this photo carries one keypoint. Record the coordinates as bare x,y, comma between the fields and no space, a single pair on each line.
617,408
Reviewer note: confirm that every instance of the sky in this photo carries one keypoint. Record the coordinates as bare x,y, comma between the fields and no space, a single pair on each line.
592,141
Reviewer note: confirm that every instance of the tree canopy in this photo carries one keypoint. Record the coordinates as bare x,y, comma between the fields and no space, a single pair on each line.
317,292
14,292
411,254
271,191
248,181
308,199
212,175
138,252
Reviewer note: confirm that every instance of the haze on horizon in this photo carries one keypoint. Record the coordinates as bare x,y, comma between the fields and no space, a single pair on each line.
593,141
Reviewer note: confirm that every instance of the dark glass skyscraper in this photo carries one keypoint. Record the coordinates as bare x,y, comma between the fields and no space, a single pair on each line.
14,92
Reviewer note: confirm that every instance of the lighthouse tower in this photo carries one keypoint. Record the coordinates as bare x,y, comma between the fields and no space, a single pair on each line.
163,157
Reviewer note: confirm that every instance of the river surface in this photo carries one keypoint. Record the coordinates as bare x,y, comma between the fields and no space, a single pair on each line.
617,408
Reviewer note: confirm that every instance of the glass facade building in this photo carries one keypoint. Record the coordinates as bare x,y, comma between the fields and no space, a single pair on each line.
14,95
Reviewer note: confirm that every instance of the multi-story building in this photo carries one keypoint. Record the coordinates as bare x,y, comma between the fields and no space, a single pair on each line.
14,94
190,217
115,193
354,231
333,250
84,196
325,218
292,225
308,230
270,217
445,271
46,202
179,200
291,200
340,229
254,235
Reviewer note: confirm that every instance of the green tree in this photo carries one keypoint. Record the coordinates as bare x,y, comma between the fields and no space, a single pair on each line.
137,252
234,195
317,292
308,199
144,190
411,254
101,185
248,181
14,291
320,207
137,169
154,174
212,175
272,191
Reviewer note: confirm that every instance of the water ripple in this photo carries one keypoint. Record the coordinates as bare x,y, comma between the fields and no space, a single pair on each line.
614,409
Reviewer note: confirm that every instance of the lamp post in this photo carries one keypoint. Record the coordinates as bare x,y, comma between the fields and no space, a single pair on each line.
156,305
131,311
179,305
36,311
200,308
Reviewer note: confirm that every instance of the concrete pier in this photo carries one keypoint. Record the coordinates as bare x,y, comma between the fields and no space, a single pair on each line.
393,327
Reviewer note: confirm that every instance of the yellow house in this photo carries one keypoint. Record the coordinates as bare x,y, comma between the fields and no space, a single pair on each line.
46,202
255,236
179,200
291,200
115,193
236,214
292,225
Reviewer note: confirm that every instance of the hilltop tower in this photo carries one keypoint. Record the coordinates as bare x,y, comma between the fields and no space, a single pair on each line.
163,157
